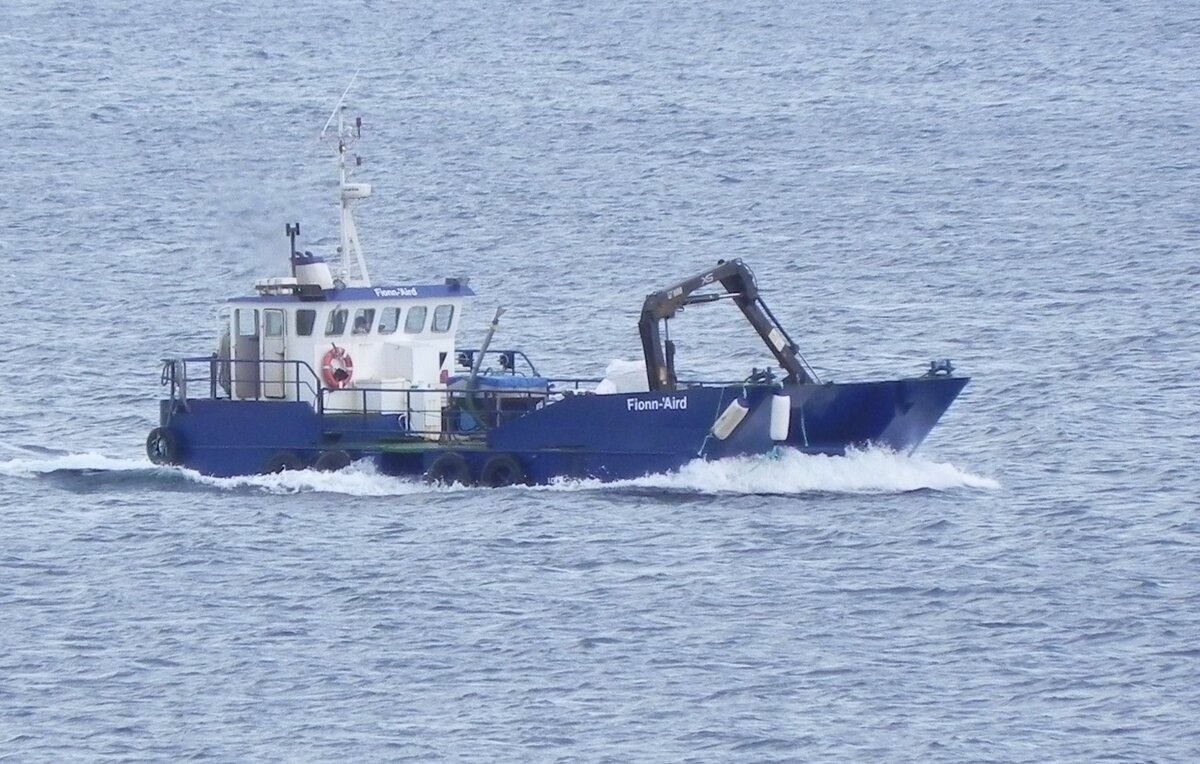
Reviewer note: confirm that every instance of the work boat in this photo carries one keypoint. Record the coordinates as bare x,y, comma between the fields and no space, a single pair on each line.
321,368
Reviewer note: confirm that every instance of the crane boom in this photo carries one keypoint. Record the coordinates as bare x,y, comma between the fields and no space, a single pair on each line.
739,284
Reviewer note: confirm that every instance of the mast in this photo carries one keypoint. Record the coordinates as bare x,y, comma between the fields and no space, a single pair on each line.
354,263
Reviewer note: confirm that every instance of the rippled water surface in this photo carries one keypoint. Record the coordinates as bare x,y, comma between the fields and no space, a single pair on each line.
1014,187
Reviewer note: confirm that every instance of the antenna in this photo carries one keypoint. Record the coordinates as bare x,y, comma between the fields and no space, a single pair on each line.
353,266
292,230
337,106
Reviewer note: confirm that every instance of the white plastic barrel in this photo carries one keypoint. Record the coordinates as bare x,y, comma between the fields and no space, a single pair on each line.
781,416
730,418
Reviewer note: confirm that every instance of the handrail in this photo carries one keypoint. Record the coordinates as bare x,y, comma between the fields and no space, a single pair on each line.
308,385
218,377
399,412
469,354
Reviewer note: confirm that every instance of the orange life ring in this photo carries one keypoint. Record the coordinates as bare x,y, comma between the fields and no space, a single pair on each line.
337,368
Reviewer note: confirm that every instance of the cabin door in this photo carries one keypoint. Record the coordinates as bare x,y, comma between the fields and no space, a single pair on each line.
246,355
274,350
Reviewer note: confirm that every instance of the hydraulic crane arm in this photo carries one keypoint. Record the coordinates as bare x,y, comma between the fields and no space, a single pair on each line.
738,282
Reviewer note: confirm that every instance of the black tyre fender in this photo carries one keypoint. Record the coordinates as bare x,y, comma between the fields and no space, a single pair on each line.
449,468
162,446
332,461
282,461
502,470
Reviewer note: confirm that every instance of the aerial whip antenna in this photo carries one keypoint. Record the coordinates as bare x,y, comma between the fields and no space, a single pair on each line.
353,271
338,105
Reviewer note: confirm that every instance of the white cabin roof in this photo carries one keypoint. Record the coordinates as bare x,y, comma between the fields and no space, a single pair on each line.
350,294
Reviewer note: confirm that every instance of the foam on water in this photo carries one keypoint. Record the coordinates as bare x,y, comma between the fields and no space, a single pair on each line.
783,472
359,479
788,471
41,462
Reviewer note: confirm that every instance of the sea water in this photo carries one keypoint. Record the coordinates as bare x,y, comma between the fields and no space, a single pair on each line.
1013,186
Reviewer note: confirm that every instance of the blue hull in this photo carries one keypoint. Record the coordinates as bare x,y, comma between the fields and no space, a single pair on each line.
609,437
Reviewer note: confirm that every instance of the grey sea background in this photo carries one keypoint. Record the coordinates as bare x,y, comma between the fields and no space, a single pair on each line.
1011,185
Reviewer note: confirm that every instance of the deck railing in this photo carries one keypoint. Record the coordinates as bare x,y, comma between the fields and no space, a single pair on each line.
375,411
461,410
221,377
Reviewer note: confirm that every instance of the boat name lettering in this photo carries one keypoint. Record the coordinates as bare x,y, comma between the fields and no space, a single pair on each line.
396,292
660,404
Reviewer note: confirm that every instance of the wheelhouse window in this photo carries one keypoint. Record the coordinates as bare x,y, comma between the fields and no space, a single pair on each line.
415,323
389,319
305,320
364,318
273,323
443,316
336,325
247,322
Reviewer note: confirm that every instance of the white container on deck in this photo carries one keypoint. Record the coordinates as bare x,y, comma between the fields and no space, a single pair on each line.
781,416
730,418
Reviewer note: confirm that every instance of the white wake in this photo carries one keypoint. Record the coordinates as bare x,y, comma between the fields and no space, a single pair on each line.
783,472
787,471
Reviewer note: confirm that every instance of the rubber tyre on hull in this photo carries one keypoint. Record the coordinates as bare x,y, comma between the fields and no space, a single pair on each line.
162,446
449,468
502,470
332,461
283,461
